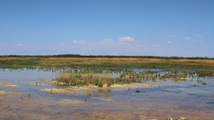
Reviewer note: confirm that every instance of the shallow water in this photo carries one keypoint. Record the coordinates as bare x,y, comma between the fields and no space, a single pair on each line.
164,99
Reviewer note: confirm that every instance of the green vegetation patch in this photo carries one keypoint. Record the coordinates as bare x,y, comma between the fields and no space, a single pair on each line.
72,79
99,77
205,73
16,64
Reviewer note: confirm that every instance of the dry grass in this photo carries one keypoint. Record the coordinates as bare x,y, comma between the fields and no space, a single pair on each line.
107,60
63,61
65,78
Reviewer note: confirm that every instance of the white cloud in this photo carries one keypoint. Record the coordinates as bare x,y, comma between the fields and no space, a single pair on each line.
3,44
107,47
19,45
107,39
145,36
187,38
78,41
199,36
172,36
157,45
169,42
192,40
126,39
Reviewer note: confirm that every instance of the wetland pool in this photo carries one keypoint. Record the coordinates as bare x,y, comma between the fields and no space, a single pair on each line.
21,97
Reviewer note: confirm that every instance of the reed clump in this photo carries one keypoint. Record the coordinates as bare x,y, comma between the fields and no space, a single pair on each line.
205,73
104,77
72,79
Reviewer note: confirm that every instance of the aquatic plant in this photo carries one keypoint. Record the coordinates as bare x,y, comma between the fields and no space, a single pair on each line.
205,73
81,77
84,77
174,76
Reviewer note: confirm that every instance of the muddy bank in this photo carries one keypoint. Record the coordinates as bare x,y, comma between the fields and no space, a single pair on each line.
70,102
4,93
7,83
73,89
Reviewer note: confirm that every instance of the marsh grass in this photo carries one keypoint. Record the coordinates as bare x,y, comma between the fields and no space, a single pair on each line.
77,79
98,77
205,73
151,75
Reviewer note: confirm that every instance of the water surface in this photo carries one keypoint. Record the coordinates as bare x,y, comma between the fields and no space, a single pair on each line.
164,99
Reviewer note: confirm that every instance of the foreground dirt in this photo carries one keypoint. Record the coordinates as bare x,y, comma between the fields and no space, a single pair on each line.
58,109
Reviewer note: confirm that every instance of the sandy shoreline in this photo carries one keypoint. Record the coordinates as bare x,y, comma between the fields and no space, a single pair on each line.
4,93
73,89
7,83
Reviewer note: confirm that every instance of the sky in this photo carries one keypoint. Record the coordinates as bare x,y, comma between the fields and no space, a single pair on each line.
107,27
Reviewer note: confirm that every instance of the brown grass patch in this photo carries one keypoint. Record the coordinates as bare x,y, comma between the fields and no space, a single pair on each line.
52,61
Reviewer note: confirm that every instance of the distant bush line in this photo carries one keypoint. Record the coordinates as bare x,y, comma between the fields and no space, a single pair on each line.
108,56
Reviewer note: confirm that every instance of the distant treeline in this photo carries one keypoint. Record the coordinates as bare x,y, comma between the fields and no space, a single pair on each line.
106,56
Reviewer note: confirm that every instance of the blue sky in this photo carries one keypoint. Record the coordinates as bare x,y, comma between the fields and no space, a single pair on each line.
107,27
